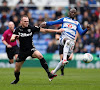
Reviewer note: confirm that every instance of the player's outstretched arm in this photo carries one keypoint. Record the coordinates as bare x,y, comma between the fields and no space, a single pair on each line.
81,31
14,37
50,30
49,23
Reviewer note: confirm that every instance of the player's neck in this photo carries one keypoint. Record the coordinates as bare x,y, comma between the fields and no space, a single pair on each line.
71,17
11,30
23,26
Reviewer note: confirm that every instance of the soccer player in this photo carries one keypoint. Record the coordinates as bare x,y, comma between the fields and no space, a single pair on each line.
11,47
67,38
25,33
69,57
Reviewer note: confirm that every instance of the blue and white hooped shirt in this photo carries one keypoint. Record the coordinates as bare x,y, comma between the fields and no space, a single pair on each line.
70,27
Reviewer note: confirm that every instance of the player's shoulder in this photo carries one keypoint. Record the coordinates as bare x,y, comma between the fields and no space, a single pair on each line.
66,19
7,31
17,28
32,27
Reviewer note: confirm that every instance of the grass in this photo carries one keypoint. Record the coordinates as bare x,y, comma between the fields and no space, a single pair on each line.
36,79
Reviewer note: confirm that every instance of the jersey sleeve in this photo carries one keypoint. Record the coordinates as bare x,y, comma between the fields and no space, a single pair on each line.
80,30
59,21
16,31
4,36
35,29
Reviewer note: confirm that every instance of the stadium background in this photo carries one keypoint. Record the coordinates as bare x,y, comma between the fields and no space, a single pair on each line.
88,11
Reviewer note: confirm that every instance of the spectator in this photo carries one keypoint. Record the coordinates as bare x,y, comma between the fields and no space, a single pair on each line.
26,10
46,17
97,12
33,5
20,2
12,15
58,13
92,2
92,50
2,29
31,2
4,7
94,18
97,34
79,17
77,49
78,7
3,17
16,21
85,17
85,40
86,7
91,39
17,10
98,51
31,20
52,47
72,1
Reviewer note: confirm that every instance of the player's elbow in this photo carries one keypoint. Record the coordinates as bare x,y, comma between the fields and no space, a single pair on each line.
45,31
57,38
12,40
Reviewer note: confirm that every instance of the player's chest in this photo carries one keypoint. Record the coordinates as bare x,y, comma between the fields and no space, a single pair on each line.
25,33
69,23
9,35
70,26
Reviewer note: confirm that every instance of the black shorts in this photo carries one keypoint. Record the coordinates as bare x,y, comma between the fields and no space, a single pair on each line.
12,51
24,54
61,49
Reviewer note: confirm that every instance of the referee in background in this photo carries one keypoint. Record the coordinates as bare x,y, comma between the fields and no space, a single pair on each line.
12,49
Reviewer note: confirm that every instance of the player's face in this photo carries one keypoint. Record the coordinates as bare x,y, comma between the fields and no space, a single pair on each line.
25,22
11,26
72,13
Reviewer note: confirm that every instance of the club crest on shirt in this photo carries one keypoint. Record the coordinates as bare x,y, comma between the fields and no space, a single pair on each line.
29,30
9,34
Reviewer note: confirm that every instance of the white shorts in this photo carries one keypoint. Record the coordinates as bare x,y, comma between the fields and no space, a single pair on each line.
70,43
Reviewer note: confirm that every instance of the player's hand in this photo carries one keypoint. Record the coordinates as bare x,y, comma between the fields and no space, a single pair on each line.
17,37
60,30
9,46
43,24
88,27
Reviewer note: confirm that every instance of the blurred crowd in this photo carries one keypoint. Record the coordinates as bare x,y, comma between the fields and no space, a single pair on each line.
85,15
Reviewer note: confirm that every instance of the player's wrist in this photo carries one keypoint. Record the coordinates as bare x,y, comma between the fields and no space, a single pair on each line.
7,44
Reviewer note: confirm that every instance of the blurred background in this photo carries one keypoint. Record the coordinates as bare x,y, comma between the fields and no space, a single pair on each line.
88,12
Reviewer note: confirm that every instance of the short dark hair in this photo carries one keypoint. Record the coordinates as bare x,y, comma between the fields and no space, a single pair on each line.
24,16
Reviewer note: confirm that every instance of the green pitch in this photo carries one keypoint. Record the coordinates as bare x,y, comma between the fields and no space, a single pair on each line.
36,79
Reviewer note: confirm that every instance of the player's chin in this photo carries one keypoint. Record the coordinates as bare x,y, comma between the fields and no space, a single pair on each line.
26,25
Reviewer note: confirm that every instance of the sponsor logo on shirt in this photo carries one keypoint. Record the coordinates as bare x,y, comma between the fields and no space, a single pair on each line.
25,34
9,34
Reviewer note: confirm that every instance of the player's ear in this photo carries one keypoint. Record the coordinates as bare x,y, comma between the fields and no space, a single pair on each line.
68,13
20,21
